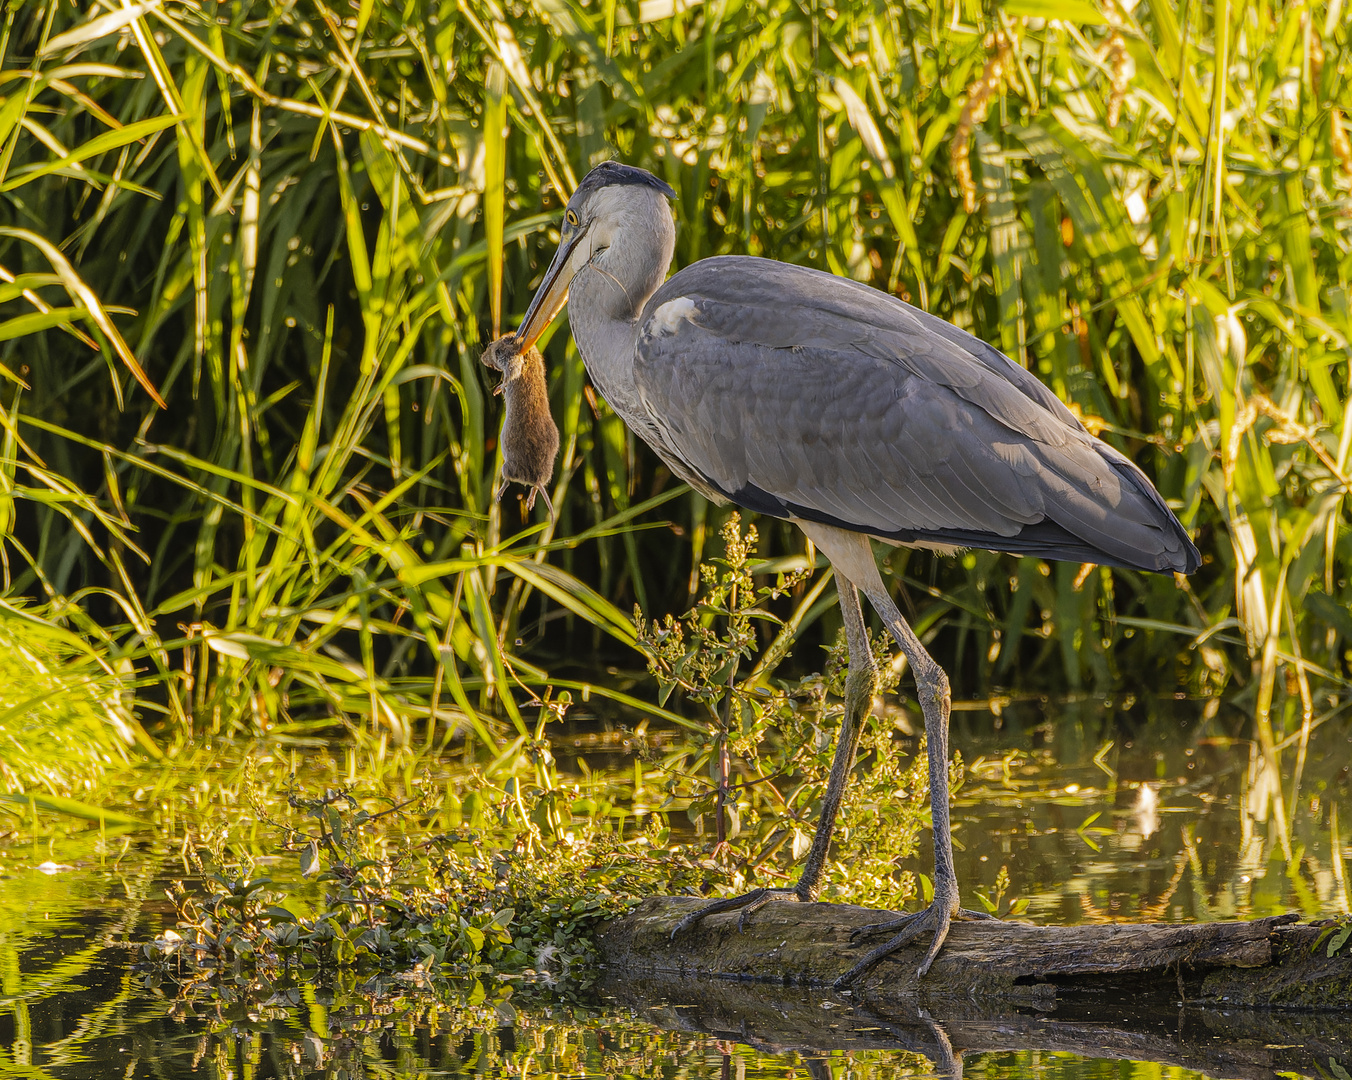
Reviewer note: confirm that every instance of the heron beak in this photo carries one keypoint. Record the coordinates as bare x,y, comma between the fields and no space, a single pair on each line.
551,295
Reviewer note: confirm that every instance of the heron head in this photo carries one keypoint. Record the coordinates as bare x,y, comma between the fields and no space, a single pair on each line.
611,199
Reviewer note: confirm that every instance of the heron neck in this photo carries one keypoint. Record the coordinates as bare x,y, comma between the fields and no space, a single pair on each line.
605,300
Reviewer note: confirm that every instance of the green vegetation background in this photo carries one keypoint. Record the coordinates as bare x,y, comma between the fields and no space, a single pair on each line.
249,253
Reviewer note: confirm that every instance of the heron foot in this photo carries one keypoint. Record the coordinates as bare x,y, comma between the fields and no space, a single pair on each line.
935,919
961,915
747,903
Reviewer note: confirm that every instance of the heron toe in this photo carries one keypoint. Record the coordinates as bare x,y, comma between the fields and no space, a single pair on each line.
747,903
962,915
935,919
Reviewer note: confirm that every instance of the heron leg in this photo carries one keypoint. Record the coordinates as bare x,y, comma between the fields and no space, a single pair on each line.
933,691
860,682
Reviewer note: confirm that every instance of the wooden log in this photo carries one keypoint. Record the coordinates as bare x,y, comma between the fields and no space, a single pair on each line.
1266,962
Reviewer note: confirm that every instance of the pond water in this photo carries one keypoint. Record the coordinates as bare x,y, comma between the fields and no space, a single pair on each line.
1096,817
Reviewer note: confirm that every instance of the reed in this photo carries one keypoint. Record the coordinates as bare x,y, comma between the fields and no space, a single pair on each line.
297,224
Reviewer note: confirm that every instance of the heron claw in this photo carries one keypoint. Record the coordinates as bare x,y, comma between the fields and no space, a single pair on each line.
748,904
961,915
938,917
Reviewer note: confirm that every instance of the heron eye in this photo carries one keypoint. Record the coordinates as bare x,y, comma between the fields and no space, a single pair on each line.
571,218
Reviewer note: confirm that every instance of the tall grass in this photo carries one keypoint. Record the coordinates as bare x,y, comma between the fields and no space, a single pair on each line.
297,224
66,714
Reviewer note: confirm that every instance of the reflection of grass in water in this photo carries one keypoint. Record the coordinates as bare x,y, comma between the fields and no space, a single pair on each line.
64,720
1101,817
60,957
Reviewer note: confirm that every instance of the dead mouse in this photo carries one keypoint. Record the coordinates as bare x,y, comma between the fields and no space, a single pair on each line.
530,438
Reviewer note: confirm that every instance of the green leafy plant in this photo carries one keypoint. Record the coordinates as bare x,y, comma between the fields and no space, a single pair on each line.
778,734
701,653
379,891
992,903
1334,938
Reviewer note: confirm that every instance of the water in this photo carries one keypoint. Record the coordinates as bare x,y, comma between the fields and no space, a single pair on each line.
1171,820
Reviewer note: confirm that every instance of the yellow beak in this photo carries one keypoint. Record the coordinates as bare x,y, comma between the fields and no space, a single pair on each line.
551,295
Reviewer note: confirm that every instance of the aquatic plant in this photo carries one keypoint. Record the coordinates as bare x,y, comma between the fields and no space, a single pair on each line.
388,891
767,744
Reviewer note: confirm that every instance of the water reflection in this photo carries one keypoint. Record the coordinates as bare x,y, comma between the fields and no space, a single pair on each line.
969,1039
1095,815
1098,819
640,1029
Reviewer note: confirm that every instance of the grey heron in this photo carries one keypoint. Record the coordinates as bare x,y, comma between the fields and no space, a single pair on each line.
806,396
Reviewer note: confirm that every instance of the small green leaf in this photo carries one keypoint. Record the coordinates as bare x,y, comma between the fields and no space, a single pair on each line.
734,820
335,821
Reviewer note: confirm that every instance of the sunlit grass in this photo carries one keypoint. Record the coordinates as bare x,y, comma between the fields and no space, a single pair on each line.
297,225
66,712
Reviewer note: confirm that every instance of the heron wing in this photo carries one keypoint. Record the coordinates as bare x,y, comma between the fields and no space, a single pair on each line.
798,393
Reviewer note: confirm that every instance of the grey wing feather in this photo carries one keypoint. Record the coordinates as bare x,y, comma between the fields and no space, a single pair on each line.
798,393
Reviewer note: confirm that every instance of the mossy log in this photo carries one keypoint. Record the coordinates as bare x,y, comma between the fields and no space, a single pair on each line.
1265,963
